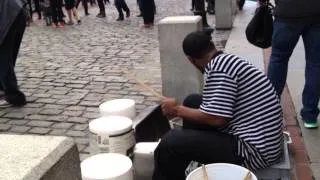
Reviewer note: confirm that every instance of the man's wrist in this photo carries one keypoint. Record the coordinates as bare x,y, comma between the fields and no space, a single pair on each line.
179,110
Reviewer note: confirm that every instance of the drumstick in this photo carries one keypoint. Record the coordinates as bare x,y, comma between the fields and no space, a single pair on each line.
248,176
150,89
205,174
144,85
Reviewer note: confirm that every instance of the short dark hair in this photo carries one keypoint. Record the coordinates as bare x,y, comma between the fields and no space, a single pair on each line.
197,44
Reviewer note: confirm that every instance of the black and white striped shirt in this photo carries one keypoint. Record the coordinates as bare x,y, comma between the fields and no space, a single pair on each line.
236,89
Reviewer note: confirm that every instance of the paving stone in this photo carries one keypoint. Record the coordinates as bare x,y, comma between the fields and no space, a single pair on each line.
46,100
73,133
80,127
5,127
90,103
54,106
19,129
58,132
50,111
4,120
91,115
68,101
84,156
41,95
63,125
77,119
72,113
41,131
58,118
37,117
34,105
40,123
17,122
81,147
75,108
16,115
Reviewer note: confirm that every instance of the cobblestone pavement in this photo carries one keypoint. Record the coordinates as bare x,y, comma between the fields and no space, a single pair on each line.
66,73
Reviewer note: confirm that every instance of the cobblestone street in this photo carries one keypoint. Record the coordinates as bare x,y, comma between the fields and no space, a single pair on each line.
67,72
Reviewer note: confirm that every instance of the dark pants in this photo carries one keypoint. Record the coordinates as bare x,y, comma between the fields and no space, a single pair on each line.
101,7
284,40
56,8
139,5
30,8
196,142
121,4
148,8
8,52
37,8
84,4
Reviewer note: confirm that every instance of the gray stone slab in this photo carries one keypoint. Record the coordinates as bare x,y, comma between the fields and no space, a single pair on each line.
316,170
179,77
30,157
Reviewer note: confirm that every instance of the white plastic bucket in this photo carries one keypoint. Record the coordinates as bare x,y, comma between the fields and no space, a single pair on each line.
112,134
221,171
119,107
107,166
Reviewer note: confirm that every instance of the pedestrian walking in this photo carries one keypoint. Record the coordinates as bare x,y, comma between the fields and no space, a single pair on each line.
85,6
122,5
71,10
57,14
148,8
37,8
295,19
47,11
139,6
12,27
102,12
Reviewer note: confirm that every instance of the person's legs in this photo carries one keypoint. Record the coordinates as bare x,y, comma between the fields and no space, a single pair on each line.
179,147
311,91
102,12
9,51
37,7
125,8
85,6
118,5
284,39
60,12
30,9
54,12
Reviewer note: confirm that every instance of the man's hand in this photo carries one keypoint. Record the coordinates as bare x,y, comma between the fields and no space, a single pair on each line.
169,107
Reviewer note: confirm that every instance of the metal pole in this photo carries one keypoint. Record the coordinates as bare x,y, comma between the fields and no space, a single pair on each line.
200,11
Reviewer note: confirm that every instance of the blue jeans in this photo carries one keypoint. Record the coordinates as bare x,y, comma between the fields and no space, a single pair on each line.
284,40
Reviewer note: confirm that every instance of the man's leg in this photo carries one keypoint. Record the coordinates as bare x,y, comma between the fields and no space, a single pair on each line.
85,6
125,7
102,12
179,147
284,39
9,51
37,7
118,5
311,91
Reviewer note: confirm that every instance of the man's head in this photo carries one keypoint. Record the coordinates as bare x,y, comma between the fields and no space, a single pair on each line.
199,48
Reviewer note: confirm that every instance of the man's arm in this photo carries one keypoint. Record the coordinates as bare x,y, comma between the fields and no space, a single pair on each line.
171,107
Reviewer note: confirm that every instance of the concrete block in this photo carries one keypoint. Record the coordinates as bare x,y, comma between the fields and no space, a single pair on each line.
225,10
38,157
179,77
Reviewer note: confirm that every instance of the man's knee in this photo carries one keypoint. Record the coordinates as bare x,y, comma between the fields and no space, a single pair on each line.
169,140
193,101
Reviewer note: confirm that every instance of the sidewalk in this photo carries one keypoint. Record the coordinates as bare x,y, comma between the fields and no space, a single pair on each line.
305,149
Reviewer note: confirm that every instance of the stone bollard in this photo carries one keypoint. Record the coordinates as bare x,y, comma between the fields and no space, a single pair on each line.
225,11
30,157
179,77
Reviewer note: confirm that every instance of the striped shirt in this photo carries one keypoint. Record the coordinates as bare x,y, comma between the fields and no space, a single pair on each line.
236,89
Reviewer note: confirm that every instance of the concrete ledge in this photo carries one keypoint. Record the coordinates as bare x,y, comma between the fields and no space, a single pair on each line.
30,157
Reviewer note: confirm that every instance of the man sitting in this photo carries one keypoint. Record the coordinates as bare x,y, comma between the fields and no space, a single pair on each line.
237,119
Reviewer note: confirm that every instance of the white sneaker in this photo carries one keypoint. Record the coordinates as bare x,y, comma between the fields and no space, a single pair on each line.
4,103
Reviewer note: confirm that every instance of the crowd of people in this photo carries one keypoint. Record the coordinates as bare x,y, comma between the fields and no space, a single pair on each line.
52,11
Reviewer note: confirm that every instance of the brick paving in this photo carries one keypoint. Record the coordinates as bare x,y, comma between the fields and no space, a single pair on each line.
66,73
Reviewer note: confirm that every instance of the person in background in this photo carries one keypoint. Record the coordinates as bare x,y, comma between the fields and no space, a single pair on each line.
139,6
47,11
102,12
57,14
37,8
192,5
71,10
121,4
295,19
148,8
13,21
237,119
85,6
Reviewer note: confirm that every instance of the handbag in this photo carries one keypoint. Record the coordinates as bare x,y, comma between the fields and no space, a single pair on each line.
260,28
